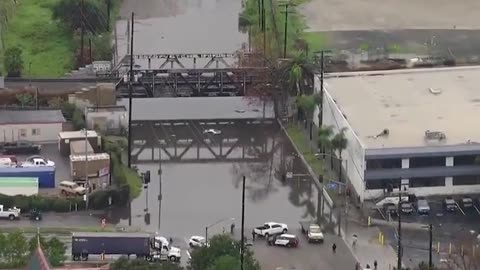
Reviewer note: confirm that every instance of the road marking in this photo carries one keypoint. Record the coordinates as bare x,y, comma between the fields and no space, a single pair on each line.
476,208
459,208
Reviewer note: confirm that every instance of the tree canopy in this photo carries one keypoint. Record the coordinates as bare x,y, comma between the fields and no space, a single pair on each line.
222,253
74,15
13,61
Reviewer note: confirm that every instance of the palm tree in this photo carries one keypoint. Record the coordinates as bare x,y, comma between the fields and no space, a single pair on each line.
339,143
324,138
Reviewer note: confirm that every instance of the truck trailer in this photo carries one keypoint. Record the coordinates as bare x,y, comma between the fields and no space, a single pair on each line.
45,175
12,186
107,243
98,165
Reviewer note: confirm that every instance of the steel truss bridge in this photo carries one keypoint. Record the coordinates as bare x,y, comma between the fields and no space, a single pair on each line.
185,141
185,75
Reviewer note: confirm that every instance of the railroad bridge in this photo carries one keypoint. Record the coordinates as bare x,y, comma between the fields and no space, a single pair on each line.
185,75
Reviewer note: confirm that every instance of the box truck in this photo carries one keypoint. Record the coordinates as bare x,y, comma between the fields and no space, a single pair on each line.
98,165
107,243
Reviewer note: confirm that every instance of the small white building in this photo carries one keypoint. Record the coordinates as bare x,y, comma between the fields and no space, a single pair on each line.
35,126
110,119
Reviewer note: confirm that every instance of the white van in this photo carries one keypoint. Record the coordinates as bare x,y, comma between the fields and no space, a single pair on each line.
422,207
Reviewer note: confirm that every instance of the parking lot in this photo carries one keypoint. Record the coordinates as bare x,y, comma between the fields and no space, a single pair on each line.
451,229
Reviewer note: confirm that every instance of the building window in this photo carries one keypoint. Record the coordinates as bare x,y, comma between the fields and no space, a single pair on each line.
466,160
35,132
383,184
391,163
427,182
466,180
422,162
23,133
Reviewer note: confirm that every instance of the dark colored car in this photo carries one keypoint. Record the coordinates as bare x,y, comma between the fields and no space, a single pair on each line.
406,208
391,209
35,215
286,240
20,147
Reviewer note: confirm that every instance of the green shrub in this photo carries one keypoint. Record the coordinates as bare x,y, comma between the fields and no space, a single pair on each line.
42,203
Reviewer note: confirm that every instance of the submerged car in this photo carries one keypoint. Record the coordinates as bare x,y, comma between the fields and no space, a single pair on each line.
406,208
212,131
450,204
285,240
197,241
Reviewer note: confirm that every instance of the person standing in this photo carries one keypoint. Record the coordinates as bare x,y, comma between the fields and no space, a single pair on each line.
253,235
334,248
375,265
232,227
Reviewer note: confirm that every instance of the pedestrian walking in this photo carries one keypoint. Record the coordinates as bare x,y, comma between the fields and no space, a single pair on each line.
357,266
334,248
253,235
375,265
171,240
232,227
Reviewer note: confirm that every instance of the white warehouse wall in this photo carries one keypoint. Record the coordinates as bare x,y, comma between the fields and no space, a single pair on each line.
48,132
355,152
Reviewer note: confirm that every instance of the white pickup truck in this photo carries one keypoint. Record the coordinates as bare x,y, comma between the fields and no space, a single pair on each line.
312,231
11,213
37,161
271,228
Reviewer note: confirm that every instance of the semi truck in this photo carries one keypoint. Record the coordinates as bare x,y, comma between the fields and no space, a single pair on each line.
143,245
45,175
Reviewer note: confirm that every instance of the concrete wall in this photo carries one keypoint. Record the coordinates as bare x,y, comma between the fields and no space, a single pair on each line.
43,132
355,152
105,121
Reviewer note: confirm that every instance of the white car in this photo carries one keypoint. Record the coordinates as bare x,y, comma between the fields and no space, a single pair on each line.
38,161
212,131
271,228
197,241
10,213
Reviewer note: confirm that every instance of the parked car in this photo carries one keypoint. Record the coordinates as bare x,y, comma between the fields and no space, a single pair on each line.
20,147
286,240
450,205
10,213
406,208
390,209
312,231
71,188
467,202
212,131
423,208
197,241
38,161
271,228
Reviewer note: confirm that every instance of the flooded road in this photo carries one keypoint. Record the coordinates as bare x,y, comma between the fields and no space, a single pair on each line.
198,194
186,26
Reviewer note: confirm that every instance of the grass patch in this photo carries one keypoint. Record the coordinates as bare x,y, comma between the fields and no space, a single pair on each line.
46,44
316,41
303,146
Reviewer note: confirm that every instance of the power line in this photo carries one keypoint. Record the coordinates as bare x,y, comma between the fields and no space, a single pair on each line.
286,12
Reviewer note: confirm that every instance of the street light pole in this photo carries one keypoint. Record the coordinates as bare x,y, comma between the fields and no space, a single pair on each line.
430,262
87,186
399,258
242,241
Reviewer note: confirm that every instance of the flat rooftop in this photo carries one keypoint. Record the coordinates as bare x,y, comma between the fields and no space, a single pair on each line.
408,103
31,117
197,108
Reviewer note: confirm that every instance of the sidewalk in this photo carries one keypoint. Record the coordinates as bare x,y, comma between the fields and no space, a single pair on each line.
368,248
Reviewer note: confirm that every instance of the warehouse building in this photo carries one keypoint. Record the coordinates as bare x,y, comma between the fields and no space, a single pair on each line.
35,126
414,129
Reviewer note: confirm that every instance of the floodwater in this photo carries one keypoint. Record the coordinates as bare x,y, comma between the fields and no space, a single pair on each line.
180,26
197,194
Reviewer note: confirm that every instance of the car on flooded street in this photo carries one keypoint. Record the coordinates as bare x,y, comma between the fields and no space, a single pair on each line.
285,240
197,241
212,131
467,202
271,228
406,208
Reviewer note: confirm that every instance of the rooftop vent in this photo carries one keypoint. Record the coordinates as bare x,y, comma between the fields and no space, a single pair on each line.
435,135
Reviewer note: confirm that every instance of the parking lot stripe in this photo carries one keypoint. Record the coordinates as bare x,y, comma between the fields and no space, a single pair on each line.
382,214
476,209
459,208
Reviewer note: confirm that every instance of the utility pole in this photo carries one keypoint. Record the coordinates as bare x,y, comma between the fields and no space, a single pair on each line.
160,187
430,262
286,5
259,14
109,6
82,31
399,210
131,78
129,153
264,29
242,241
90,52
